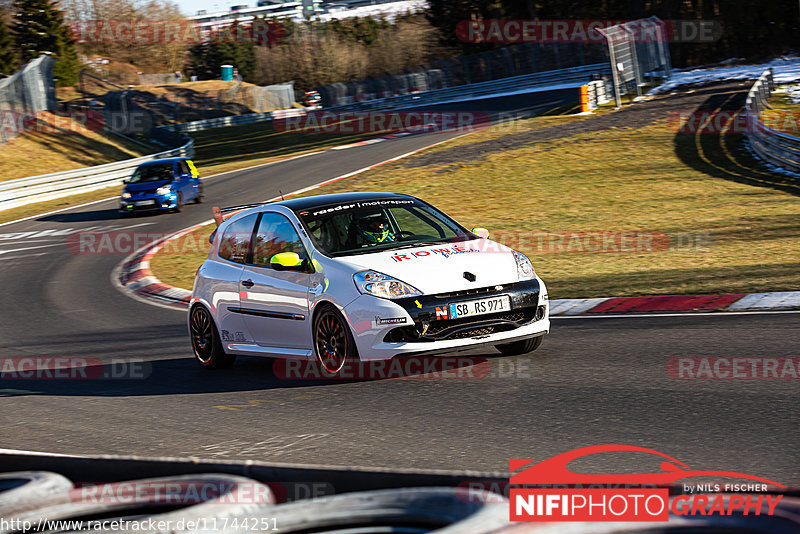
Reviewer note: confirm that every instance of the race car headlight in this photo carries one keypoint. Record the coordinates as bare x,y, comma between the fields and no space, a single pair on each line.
164,190
524,266
126,195
384,286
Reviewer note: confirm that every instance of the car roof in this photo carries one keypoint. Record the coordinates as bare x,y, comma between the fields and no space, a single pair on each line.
161,161
304,203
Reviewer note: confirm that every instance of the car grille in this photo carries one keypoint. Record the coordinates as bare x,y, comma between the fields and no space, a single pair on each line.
149,207
466,327
483,331
514,316
471,292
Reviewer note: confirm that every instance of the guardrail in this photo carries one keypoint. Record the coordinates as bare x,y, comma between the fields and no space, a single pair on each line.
15,193
513,84
772,146
231,120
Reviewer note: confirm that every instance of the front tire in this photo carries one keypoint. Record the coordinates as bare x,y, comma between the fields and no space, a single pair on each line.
522,346
178,204
333,344
205,341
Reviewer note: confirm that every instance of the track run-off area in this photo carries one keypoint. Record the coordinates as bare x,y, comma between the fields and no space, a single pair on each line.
593,381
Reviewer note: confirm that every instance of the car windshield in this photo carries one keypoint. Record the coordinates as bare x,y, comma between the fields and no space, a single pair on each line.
363,227
152,173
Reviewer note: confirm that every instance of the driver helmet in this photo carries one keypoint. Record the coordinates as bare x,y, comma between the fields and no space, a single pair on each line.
374,227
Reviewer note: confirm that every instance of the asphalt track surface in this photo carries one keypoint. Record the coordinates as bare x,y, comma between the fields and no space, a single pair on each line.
593,381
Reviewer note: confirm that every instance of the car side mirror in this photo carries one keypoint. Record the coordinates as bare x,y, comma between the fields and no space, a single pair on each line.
287,261
483,233
125,181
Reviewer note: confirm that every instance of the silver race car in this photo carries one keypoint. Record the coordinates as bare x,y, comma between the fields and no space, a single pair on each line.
359,276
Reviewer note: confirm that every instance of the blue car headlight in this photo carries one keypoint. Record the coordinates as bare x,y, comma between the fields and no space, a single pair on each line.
126,195
164,190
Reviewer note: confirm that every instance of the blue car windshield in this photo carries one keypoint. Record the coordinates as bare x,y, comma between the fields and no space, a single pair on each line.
152,173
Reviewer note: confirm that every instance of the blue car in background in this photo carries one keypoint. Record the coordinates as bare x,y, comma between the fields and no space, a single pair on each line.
162,184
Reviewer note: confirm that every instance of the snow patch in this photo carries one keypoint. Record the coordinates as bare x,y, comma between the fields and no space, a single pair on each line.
785,69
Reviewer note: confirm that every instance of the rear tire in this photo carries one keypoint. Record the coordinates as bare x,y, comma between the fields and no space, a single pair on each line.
200,195
522,346
205,341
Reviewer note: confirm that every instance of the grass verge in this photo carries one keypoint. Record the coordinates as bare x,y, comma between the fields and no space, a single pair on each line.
62,144
724,235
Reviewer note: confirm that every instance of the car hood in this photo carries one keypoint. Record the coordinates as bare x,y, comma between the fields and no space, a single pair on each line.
145,186
440,268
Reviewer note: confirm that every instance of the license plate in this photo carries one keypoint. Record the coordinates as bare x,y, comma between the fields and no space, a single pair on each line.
480,306
144,202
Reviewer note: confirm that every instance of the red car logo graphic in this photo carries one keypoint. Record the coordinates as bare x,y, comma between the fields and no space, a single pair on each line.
554,470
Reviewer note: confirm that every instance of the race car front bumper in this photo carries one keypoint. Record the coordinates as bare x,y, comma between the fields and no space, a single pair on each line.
151,202
385,328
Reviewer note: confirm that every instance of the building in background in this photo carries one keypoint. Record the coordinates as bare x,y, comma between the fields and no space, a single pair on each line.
324,10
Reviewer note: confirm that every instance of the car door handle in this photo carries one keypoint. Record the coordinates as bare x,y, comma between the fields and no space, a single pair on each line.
248,283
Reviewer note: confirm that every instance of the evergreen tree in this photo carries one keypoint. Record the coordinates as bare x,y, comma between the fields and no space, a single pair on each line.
754,30
38,27
204,60
67,66
8,56
229,46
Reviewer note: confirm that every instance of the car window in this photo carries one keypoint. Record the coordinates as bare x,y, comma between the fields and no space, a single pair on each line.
183,168
152,173
235,243
417,221
276,234
331,233
377,225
